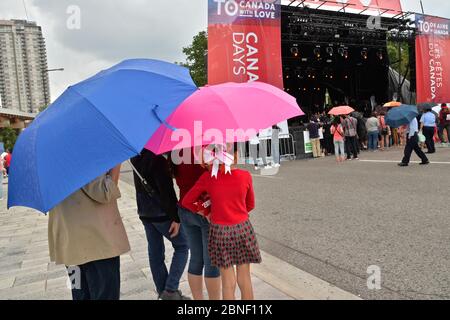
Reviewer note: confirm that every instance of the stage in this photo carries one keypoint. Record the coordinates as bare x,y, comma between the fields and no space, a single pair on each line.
331,58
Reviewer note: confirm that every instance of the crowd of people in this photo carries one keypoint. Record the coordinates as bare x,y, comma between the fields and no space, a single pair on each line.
86,232
347,135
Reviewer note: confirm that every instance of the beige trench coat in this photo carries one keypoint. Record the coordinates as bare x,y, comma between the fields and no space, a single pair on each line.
87,226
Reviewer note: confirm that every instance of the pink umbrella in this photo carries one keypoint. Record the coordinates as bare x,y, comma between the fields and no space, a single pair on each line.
341,110
229,112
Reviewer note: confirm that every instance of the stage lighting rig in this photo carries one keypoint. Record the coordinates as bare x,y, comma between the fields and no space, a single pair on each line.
380,54
365,54
330,50
317,52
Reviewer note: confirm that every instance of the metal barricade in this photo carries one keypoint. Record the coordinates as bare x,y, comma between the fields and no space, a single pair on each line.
287,149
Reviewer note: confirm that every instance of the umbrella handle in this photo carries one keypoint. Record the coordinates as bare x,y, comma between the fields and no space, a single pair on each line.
164,122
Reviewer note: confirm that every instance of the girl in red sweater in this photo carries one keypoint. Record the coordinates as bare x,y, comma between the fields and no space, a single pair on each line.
232,241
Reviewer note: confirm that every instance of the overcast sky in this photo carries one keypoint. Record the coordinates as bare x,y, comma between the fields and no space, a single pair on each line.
112,30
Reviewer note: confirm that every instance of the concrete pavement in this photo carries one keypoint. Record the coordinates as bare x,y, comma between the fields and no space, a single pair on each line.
26,272
335,221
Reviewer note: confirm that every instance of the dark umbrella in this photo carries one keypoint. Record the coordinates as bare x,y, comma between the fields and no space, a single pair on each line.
357,115
400,116
425,106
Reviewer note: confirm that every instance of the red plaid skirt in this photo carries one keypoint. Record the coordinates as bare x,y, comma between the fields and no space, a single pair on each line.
233,245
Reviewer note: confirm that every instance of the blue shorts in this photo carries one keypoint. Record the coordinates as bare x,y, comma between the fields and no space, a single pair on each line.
196,229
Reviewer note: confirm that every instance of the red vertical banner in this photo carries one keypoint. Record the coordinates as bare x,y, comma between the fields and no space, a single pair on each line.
433,59
244,41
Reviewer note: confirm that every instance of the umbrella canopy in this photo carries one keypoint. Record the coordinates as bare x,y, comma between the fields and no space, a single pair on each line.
392,104
341,110
400,116
92,127
219,109
437,109
357,115
425,106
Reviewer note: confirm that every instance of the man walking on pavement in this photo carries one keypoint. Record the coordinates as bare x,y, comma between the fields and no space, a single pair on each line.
413,144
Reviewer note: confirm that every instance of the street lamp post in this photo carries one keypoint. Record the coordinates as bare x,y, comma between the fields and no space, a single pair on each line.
47,99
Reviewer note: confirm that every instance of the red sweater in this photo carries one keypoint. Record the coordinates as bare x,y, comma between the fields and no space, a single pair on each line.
232,196
8,160
186,176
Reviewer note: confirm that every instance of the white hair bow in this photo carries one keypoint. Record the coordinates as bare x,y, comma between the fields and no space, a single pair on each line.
216,158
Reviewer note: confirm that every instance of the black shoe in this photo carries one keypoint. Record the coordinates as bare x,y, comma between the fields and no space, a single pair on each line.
424,163
172,295
401,164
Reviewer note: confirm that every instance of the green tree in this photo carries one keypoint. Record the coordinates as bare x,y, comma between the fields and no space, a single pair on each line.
43,108
399,62
8,136
196,58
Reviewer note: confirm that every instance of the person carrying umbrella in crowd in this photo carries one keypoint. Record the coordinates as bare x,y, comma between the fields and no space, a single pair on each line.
158,211
444,122
406,115
413,144
428,127
232,240
86,233
196,228
338,138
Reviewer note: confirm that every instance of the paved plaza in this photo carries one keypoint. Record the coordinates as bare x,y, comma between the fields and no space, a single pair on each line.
26,271
334,221
320,226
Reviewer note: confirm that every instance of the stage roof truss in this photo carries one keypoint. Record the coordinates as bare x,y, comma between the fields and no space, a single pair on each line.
301,3
343,6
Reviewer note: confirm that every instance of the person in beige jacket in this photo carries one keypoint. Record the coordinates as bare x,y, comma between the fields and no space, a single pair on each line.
86,233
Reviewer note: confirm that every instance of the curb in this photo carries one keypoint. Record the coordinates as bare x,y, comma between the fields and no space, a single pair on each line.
297,283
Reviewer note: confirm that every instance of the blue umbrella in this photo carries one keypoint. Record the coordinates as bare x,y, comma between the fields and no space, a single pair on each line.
93,126
426,106
399,116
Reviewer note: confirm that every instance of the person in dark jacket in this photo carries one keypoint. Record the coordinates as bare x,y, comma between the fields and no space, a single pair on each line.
362,134
158,211
313,128
328,144
444,123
